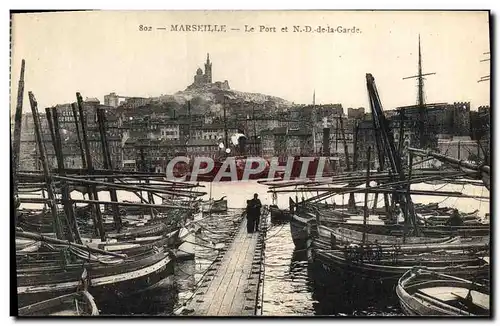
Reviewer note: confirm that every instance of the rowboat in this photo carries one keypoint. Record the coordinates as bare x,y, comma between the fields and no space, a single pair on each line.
426,293
77,304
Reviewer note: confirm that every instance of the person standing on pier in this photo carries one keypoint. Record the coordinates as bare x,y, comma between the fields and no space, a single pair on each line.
250,221
253,214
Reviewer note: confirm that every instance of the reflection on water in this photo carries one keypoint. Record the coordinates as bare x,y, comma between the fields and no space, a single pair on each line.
292,287
287,289
346,295
157,301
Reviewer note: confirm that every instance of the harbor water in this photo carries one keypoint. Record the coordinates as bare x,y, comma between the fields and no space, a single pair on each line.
289,287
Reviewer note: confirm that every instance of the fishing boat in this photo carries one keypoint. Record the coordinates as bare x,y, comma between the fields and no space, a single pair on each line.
135,245
388,264
298,229
41,220
422,292
187,239
77,304
346,236
398,230
301,214
109,279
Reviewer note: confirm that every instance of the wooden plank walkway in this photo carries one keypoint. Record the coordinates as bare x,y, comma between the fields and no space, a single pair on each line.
231,288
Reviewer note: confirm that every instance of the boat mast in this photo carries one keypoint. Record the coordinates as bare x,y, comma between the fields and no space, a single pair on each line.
18,118
226,144
346,149
385,143
46,169
314,121
93,194
189,124
422,113
254,131
367,186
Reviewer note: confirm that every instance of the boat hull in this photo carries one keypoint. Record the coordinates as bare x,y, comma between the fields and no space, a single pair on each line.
298,228
423,293
112,286
334,263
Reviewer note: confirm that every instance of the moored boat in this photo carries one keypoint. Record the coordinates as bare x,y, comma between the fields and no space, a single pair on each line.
390,264
426,293
298,228
77,304
109,281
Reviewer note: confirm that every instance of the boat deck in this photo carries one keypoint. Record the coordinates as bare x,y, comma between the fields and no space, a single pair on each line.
448,293
232,288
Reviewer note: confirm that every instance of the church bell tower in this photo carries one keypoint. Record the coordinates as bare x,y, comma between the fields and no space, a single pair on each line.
208,70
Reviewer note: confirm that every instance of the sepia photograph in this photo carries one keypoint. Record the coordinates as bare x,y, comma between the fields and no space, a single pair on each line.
250,163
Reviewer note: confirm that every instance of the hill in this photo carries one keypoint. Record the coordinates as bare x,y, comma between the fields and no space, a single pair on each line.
210,98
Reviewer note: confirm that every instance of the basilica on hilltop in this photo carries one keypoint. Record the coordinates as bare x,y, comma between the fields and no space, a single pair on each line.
202,80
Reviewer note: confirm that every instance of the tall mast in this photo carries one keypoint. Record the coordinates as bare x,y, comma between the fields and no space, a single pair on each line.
18,118
190,120
226,144
254,130
314,121
420,78
421,98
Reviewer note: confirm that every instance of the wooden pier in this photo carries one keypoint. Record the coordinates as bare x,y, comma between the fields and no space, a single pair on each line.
231,287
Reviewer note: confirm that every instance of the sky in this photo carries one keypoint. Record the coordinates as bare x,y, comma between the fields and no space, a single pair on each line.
99,52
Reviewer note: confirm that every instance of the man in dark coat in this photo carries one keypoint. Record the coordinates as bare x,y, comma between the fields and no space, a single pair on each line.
253,213
250,218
